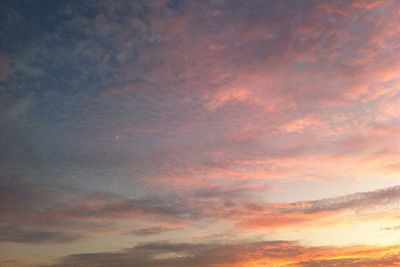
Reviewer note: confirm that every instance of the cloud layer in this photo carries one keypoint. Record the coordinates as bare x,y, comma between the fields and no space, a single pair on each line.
273,253
208,124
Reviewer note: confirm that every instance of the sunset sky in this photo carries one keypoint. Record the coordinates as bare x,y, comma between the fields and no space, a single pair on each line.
221,133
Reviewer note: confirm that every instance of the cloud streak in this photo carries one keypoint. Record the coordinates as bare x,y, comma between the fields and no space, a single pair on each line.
14,234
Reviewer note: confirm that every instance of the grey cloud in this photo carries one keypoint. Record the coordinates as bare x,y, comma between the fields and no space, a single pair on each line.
254,213
157,206
364,200
213,204
150,231
392,228
21,197
9,233
36,205
184,254
379,199
390,260
231,191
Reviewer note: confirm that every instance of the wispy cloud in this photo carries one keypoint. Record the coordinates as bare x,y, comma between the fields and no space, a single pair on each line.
297,213
97,213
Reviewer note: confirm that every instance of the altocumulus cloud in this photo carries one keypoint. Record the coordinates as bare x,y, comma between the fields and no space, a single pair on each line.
143,117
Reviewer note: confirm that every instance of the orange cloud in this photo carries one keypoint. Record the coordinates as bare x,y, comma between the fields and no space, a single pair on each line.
301,124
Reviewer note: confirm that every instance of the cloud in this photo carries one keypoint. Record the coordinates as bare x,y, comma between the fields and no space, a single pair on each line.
9,263
392,228
389,261
5,67
95,213
365,200
183,254
274,253
230,191
59,209
299,214
186,112
150,231
250,86
166,206
50,211
301,124
9,233
20,197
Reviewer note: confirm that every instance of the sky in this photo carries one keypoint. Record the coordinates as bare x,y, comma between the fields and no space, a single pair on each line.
219,133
